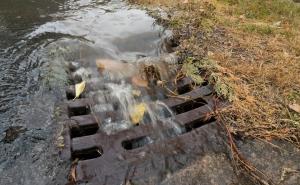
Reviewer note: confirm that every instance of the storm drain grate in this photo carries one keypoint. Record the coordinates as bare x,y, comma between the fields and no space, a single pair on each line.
132,155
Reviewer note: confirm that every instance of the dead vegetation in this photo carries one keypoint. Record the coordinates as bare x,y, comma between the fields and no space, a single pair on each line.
250,51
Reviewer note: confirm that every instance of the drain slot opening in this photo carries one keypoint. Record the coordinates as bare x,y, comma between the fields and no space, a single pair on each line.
79,131
90,153
70,93
196,124
184,89
78,111
188,127
188,87
189,105
136,143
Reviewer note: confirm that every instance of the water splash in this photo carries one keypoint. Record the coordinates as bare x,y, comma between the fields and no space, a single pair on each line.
121,94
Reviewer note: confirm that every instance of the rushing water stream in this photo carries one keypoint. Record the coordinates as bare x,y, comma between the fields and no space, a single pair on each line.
37,39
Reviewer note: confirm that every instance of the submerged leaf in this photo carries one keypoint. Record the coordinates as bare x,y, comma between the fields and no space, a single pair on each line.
138,81
110,65
137,113
113,65
79,88
136,93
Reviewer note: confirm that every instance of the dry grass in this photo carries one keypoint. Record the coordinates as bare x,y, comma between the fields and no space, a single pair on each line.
267,65
250,51
255,49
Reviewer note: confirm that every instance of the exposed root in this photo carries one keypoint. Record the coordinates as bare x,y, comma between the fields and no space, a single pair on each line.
242,162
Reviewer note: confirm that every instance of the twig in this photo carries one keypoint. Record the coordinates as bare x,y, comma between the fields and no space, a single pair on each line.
246,165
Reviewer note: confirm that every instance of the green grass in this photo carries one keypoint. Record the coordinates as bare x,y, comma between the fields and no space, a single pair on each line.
271,10
260,29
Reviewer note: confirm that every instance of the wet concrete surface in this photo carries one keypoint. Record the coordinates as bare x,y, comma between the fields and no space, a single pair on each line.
210,169
280,165
279,160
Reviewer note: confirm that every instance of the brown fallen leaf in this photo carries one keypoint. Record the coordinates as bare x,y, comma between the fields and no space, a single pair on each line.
79,88
138,81
295,107
73,174
116,67
137,113
113,65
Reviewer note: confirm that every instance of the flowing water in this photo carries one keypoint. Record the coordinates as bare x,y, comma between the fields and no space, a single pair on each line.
38,41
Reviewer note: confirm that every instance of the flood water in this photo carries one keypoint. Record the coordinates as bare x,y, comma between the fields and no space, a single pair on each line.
37,40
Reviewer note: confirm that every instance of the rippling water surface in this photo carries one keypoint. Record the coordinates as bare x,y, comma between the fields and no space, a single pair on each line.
37,39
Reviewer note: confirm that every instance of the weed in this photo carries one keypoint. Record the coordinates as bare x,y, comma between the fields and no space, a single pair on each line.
260,29
192,70
199,69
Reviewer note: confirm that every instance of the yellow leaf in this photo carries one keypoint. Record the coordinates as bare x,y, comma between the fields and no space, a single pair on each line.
60,145
136,93
79,88
137,113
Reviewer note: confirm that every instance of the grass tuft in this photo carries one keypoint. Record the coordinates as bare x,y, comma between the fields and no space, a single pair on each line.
260,29
270,10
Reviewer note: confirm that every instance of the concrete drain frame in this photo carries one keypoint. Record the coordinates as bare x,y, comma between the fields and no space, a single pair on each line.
128,155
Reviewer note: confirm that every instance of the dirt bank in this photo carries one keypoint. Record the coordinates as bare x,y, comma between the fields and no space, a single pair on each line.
250,52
